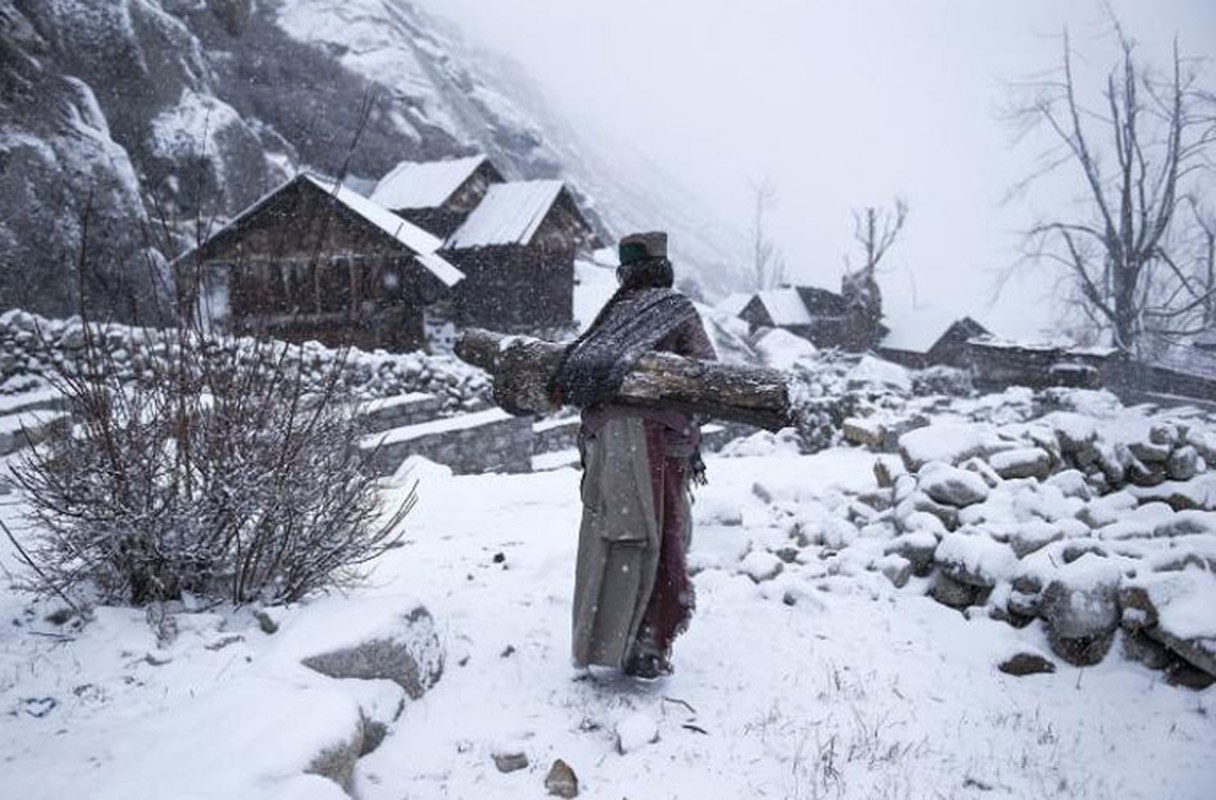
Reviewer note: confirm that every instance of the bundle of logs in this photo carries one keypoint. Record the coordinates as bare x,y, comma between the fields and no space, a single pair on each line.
522,366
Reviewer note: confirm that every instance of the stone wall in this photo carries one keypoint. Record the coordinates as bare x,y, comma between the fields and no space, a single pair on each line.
487,441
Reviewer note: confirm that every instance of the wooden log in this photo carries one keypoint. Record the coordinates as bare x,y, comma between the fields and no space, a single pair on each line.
521,367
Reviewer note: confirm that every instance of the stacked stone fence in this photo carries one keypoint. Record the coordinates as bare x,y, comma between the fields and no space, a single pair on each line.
485,441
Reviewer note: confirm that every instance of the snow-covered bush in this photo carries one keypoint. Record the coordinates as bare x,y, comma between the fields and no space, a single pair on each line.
211,471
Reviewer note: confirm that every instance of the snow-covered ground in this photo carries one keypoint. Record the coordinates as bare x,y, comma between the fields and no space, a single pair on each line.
823,681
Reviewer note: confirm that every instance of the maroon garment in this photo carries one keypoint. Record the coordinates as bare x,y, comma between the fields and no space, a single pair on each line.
672,600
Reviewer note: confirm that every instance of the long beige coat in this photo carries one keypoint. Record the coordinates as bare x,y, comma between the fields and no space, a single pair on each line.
618,547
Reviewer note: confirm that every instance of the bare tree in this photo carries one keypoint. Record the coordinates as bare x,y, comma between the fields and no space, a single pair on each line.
768,263
1138,154
876,230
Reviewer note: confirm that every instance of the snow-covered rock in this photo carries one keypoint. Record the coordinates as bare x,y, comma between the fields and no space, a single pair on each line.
635,731
949,442
1176,609
951,485
1081,603
402,647
973,557
1022,462
761,565
916,547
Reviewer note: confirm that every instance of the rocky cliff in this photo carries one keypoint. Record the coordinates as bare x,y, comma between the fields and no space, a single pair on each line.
129,126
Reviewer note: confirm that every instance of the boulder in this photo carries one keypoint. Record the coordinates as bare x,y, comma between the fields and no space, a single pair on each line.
1190,522
1075,433
972,557
922,521
982,468
1024,664
865,431
1197,493
761,565
1175,609
1183,464
561,780
916,547
510,760
1023,462
949,592
897,569
1149,452
406,652
1204,441
887,469
1080,607
1027,537
948,442
952,486
1107,509
1071,483
919,502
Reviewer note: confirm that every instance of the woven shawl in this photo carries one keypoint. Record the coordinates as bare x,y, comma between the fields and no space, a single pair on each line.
630,325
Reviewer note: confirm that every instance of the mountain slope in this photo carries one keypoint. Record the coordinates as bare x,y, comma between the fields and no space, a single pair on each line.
140,121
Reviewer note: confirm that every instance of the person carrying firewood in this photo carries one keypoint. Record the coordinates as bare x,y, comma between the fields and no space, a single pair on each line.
632,593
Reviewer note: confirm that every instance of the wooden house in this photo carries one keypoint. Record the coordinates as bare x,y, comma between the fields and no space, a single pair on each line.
996,363
517,251
437,196
825,318
925,339
315,260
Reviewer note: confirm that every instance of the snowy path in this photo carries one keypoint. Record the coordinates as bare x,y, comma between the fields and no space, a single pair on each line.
808,685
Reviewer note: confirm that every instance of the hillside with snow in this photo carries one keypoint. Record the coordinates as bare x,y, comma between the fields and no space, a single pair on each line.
133,126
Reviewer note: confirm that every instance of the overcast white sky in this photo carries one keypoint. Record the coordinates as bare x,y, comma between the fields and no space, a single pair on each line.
839,104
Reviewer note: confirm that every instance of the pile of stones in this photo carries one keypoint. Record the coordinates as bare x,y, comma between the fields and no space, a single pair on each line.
1090,522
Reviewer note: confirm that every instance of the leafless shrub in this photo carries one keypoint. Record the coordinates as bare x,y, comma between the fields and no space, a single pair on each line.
202,466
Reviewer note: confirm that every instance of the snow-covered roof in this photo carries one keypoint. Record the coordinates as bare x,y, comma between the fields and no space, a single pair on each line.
785,307
422,243
917,330
734,303
405,232
510,213
423,184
